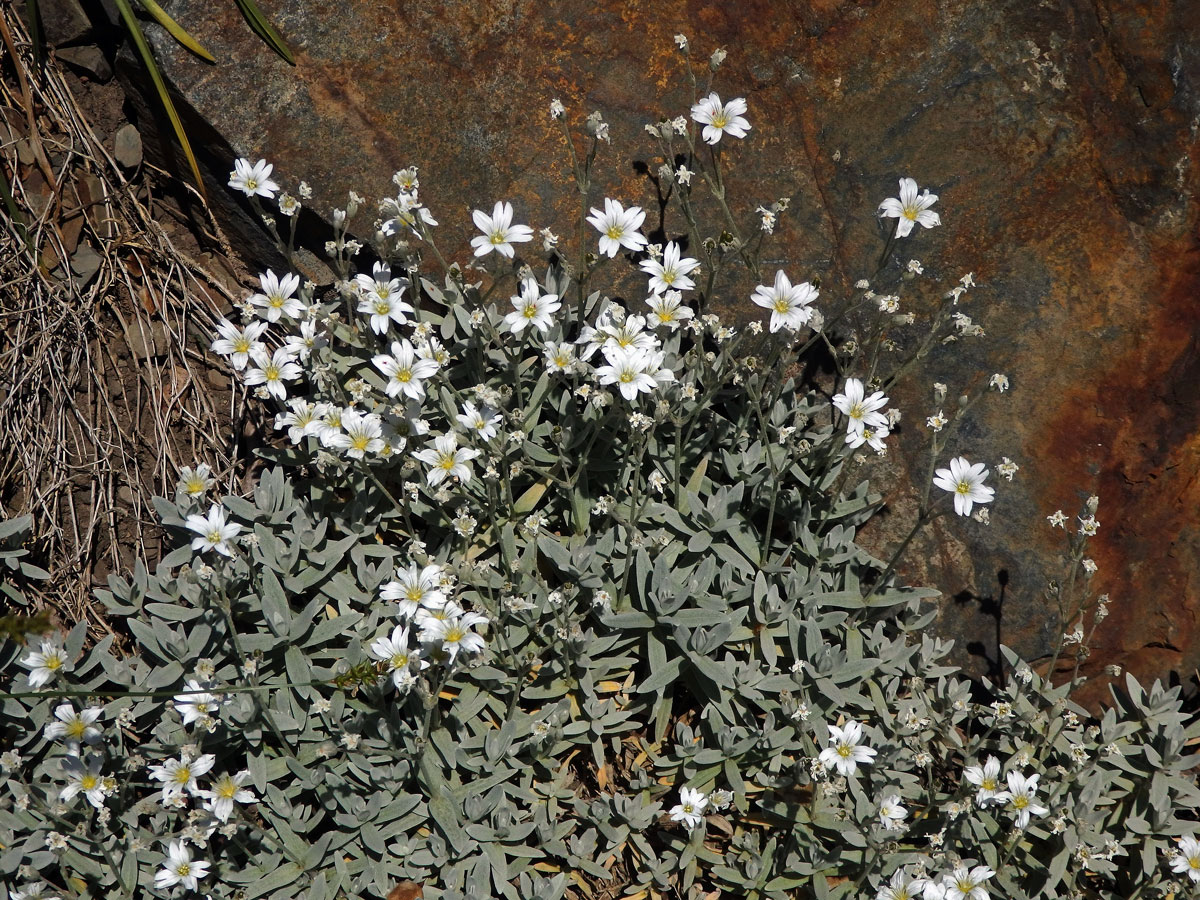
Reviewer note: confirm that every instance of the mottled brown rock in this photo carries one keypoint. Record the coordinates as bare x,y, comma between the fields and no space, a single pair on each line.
1061,137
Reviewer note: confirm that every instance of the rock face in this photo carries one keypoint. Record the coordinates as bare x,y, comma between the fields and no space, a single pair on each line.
1061,137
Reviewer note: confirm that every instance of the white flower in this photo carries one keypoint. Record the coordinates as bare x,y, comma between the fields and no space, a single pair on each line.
1088,525
446,459
499,233
616,331
531,307
276,298
454,633
628,369
195,481
360,434
75,727
667,310
303,420
84,778
844,751
179,775
672,272
238,343
380,298
872,437
1022,797
34,891
405,371
999,381
690,809
902,887
273,370
560,356
788,303
891,812
965,482
178,867
46,664
414,588
967,885
721,118
197,703
225,792
618,227
987,779
253,180
405,211
910,208
481,422
1007,468
394,651
1188,859
557,110
213,532
861,411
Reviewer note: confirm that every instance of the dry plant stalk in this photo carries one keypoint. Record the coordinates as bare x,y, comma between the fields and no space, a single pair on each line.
103,394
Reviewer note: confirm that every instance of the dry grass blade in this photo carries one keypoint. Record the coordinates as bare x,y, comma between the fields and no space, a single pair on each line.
103,394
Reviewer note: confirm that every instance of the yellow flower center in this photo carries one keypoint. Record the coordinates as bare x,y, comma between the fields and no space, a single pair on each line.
88,782
241,344
529,311
252,183
272,372
382,308
183,775
989,784
498,238
720,120
781,306
183,869
455,634
911,213
447,463
53,662
845,751
76,728
857,411
1020,802
404,376
227,788
277,301
616,232
359,442
626,377
963,487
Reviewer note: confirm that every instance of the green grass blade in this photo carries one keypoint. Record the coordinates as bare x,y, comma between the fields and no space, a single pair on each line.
264,29
35,32
14,213
177,31
143,48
